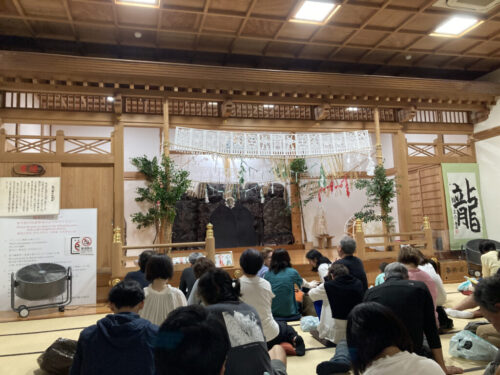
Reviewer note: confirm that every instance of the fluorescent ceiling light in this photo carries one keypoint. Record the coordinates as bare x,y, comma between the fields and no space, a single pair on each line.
212,103
141,3
316,11
457,26
110,99
351,109
268,105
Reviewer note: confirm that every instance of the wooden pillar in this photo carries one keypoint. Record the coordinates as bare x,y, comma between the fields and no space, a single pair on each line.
116,257
59,142
166,128
210,242
429,245
359,237
3,139
378,142
438,146
118,188
296,214
400,149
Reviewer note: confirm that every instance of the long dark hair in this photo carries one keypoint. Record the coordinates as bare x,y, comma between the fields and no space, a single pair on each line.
372,327
217,286
280,260
314,254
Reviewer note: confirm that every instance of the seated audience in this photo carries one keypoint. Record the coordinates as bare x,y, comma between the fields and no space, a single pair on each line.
381,345
140,276
200,266
161,298
410,258
187,277
490,262
283,279
257,293
320,264
343,292
191,341
355,265
120,343
248,354
266,254
381,276
411,301
487,296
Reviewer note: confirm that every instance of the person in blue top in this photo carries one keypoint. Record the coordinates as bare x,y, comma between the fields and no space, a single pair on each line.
381,276
283,279
121,343
140,275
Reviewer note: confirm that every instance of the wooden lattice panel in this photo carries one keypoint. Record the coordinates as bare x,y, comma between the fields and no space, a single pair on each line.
193,108
152,106
442,117
56,102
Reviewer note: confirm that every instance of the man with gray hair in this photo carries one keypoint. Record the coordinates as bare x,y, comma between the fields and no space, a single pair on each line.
411,301
187,276
487,295
354,264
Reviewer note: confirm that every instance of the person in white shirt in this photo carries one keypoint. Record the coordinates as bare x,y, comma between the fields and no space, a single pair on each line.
257,292
379,344
161,298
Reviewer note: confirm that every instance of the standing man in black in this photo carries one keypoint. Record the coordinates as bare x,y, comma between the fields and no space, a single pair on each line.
411,301
354,264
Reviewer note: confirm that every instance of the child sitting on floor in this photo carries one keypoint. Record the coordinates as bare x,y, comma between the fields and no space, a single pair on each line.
161,298
381,276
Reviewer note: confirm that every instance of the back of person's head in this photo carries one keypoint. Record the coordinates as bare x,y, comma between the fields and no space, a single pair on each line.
396,270
127,293
337,270
382,266
266,251
251,261
202,265
486,245
193,256
317,257
159,267
487,293
280,260
372,327
216,286
348,245
191,341
409,255
143,259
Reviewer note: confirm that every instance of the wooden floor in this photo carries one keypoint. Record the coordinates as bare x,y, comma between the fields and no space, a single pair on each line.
21,342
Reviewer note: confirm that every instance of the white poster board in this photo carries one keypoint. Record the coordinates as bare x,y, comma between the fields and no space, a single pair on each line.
28,196
68,239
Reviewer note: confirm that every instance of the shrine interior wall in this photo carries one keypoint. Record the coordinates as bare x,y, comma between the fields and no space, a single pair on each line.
487,153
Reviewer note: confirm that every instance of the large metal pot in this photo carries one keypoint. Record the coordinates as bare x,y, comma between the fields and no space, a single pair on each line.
40,281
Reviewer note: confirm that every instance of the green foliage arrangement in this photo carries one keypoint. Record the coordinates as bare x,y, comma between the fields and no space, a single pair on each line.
380,191
166,186
298,166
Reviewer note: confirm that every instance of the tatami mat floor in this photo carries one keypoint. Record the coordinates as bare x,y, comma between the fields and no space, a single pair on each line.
21,343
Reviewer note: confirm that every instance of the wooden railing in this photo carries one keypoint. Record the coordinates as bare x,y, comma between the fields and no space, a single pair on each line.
120,258
58,144
391,247
439,152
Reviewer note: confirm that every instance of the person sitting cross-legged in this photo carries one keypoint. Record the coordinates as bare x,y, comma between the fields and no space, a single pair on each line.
256,292
140,275
191,341
248,354
348,259
121,343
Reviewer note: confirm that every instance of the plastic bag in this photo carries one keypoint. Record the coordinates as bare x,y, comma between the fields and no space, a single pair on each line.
467,345
58,357
467,287
308,323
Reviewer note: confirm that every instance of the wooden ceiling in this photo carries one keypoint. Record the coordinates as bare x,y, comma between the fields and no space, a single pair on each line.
365,36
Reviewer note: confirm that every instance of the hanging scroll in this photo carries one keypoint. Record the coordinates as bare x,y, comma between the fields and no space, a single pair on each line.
463,203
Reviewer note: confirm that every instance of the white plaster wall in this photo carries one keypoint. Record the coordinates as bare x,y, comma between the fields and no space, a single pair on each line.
487,152
136,236
139,142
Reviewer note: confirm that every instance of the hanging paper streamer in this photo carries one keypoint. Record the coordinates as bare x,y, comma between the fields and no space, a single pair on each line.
322,177
262,198
206,194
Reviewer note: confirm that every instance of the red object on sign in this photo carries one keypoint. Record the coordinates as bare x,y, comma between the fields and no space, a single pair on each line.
29,169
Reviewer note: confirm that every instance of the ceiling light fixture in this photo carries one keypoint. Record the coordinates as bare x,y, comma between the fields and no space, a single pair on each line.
110,99
314,11
456,26
268,105
140,3
212,103
138,34
351,109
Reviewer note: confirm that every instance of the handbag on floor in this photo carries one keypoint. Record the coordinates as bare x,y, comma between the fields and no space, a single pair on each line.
58,357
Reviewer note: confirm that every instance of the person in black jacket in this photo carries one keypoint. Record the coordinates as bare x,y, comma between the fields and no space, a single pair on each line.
121,343
411,301
139,276
356,269
187,277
